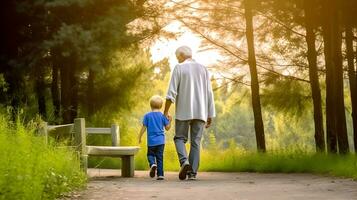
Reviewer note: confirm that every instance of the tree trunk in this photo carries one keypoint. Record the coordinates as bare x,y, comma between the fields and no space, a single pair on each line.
65,94
90,90
55,92
331,131
352,79
74,92
11,39
69,89
342,137
355,113
335,107
314,77
15,93
40,88
258,120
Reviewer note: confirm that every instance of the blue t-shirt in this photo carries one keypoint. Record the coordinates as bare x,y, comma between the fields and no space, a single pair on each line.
155,123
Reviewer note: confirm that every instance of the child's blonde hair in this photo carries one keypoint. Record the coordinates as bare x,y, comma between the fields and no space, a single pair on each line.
156,102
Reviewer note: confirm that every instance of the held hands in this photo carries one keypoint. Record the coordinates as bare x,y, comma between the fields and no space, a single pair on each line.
167,114
169,117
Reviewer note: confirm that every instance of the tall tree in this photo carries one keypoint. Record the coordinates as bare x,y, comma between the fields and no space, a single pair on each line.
335,109
349,10
90,34
309,10
258,119
67,41
11,51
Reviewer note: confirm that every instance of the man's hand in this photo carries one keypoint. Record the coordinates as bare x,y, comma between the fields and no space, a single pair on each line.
167,107
209,122
166,115
169,117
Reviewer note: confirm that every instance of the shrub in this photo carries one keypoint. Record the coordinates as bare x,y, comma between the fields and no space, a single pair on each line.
30,169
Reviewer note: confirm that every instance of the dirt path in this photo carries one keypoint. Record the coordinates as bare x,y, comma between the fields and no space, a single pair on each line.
106,184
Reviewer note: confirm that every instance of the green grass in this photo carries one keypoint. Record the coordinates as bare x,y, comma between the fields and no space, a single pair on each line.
238,160
281,161
30,169
235,160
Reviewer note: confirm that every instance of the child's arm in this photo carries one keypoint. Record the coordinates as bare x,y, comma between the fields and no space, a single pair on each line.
168,126
142,131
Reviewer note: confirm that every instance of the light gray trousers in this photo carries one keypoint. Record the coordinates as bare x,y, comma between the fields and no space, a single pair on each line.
182,129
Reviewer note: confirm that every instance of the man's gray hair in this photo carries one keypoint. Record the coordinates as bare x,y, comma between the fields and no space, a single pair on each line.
184,51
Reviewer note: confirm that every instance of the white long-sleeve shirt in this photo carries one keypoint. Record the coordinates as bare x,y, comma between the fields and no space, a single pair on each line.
190,89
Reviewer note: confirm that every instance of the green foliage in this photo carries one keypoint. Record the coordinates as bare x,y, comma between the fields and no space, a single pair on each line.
290,133
287,96
119,86
212,140
91,41
56,44
3,84
32,170
288,161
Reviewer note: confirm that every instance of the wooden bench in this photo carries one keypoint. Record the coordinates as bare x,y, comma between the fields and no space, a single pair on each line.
126,153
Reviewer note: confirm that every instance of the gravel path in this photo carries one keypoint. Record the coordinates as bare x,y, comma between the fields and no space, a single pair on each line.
107,184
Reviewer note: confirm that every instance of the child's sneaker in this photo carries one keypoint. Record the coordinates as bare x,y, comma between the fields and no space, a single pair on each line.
153,170
160,178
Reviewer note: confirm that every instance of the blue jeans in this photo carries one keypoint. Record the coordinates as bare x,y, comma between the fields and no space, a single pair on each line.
195,128
156,156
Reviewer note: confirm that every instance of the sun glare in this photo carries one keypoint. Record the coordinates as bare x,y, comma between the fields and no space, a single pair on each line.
165,48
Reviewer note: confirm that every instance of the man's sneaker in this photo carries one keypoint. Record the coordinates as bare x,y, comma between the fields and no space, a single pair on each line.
183,171
153,170
191,177
160,178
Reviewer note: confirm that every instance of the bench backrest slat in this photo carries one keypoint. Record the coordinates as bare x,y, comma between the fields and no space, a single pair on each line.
113,131
52,127
103,131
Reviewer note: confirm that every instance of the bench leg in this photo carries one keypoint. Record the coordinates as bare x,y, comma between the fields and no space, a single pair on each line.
84,163
127,166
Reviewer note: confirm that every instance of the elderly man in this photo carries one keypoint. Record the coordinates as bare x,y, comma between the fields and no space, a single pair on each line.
190,89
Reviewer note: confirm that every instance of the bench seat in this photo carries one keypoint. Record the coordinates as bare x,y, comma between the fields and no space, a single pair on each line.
111,151
126,153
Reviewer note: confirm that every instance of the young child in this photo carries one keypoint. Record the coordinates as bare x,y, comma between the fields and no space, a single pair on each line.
155,122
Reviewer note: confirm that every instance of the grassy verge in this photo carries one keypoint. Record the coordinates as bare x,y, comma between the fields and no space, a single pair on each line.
280,161
238,160
32,170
